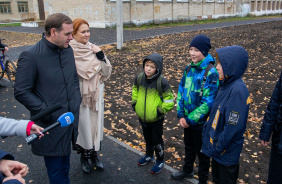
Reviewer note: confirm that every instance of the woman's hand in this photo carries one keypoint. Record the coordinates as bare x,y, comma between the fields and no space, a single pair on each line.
37,129
95,48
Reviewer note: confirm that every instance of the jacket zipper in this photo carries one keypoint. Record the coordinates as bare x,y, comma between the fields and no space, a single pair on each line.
145,102
188,93
60,55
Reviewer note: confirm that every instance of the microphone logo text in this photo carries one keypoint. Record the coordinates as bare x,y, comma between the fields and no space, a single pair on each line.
68,119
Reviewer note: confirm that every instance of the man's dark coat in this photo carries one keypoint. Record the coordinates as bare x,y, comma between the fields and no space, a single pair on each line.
46,75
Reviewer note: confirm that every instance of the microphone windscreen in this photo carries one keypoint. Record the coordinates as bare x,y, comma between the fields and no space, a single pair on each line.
46,112
66,119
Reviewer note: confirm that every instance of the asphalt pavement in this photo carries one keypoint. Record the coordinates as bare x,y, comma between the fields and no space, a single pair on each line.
119,159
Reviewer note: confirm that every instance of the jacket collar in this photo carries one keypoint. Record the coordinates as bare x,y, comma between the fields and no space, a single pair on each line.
52,46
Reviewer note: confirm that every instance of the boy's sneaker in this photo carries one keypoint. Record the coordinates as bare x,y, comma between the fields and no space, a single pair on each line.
157,167
144,160
178,175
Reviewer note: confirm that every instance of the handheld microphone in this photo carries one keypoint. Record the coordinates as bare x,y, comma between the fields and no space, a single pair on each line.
42,114
64,120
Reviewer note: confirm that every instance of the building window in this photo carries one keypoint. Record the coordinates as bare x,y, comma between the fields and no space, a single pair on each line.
268,5
122,0
273,5
5,7
263,5
252,6
258,5
220,1
23,7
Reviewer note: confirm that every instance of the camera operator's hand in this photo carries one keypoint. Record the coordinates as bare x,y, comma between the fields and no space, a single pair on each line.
11,167
17,177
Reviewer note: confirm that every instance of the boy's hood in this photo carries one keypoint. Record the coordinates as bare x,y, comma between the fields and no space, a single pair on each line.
158,60
234,61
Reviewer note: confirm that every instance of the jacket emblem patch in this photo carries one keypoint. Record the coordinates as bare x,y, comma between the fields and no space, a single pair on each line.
233,117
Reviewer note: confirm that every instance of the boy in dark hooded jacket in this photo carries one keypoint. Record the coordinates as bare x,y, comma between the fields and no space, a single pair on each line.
223,133
152,97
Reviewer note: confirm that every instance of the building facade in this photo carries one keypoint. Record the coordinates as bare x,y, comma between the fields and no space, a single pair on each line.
102,13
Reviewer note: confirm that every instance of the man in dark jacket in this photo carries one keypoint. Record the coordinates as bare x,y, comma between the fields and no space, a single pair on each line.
223,133
46,75
272,124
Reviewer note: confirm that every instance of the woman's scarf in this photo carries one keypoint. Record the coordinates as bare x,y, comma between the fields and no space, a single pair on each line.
88,68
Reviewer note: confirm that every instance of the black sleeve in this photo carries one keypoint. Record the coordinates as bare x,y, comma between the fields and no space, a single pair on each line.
100,55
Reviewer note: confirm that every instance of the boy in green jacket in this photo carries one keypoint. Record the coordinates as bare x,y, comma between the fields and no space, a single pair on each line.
152,97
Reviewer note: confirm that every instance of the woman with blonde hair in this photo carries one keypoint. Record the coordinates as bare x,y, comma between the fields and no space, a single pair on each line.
93,69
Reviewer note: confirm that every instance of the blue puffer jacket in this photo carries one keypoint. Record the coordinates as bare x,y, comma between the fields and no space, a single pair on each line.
223,133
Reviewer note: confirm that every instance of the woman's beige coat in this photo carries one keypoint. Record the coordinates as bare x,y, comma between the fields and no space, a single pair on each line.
91,120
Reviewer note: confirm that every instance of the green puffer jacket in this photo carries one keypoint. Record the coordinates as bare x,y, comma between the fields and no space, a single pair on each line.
146,100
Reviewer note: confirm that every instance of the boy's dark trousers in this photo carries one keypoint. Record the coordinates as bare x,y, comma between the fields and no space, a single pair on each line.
224,174
154,141
193,144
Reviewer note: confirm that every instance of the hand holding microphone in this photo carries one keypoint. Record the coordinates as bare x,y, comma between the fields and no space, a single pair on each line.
64,120
31,127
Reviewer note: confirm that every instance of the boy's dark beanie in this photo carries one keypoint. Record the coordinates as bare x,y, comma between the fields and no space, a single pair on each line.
202,43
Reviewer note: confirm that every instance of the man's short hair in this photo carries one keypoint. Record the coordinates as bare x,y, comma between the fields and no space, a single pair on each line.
56,21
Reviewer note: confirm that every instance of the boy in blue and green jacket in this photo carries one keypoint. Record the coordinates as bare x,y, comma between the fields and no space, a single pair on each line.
152,98
194,101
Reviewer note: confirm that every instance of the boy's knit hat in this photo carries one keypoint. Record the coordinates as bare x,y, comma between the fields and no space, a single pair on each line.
202,43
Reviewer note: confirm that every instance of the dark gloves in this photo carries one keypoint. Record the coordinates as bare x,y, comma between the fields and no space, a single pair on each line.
133,106
100,55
